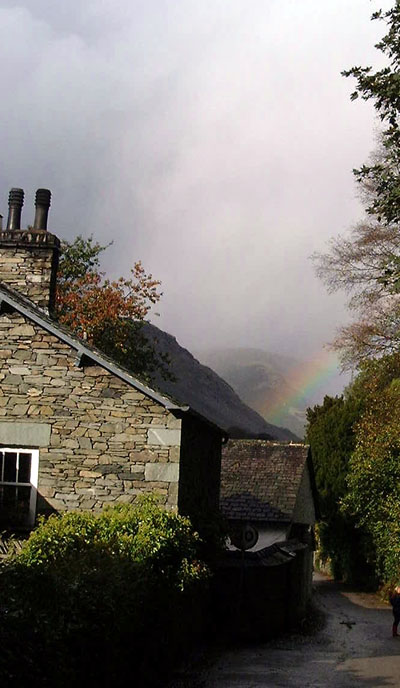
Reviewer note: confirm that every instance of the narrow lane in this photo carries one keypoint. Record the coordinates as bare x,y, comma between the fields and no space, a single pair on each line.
354,648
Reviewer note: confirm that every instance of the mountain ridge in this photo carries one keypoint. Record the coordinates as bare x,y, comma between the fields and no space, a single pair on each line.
263,380
207,393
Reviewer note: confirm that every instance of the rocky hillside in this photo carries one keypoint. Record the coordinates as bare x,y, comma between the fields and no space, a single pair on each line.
208,394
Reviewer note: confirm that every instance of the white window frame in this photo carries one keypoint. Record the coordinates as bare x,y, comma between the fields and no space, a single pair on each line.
33,483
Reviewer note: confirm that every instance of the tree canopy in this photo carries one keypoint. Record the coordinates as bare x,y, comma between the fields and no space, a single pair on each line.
358,461
366,265
382,176
330,431
373,480
108,313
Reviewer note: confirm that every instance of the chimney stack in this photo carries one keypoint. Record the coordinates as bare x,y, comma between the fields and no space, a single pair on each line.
42,203
15,203
29,257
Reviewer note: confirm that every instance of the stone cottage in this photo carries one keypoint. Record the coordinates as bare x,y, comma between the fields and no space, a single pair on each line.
78,431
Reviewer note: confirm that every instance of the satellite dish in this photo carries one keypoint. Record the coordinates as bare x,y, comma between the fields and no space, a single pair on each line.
245,537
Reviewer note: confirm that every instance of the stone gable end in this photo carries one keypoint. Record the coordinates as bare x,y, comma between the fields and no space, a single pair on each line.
107,442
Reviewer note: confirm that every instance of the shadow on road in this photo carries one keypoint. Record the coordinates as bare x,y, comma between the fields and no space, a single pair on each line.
346,642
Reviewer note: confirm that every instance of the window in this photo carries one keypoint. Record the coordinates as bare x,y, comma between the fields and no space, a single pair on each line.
18,486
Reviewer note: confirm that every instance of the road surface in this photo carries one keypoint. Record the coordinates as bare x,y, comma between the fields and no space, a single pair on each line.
354,648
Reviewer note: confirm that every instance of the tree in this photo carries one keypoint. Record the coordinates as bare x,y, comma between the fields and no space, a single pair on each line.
367,265
330,431
108,313
373,480
382,176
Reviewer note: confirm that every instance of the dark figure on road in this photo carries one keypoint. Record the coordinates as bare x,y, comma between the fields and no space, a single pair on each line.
394,599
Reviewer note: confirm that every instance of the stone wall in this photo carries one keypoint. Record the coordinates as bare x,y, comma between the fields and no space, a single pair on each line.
106,442
28,263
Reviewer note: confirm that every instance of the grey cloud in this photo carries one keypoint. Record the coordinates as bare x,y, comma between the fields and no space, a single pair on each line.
214,140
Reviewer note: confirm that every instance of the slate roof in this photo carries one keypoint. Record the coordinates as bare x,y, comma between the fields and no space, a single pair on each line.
260,480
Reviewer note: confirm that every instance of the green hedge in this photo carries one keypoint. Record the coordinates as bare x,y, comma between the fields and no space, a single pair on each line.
96,598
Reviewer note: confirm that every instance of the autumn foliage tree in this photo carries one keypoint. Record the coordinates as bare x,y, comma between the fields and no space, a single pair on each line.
108,314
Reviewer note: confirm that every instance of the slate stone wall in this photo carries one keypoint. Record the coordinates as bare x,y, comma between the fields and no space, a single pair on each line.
107,442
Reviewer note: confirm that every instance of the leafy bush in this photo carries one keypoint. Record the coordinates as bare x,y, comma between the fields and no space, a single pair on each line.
101,596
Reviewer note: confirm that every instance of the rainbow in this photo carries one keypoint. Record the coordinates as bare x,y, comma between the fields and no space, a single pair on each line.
301,383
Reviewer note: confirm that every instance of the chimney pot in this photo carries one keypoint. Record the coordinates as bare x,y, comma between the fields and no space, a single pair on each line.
15,203
42,203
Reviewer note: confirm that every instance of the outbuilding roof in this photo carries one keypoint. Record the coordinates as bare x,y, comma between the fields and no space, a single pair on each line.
260,480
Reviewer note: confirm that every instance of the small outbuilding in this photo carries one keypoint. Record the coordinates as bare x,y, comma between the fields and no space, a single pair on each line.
269,500
268,492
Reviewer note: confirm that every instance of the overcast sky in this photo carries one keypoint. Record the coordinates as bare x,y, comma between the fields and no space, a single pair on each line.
212,139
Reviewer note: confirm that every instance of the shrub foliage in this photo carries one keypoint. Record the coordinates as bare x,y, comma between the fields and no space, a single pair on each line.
101,596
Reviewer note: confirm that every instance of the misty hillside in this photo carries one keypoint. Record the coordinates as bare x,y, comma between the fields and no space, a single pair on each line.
263,381
207,393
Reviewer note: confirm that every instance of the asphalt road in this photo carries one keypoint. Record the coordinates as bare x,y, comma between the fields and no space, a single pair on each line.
354,648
